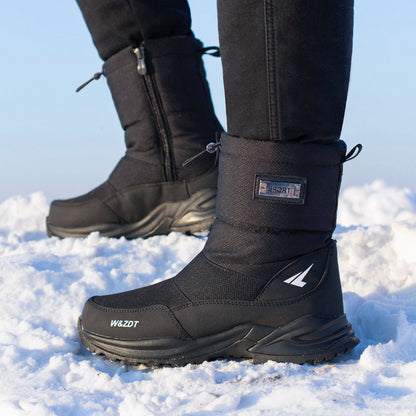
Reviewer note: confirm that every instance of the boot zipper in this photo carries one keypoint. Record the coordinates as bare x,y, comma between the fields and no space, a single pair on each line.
161,122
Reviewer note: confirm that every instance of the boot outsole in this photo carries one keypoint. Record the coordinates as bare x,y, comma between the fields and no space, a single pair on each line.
309,339
189,216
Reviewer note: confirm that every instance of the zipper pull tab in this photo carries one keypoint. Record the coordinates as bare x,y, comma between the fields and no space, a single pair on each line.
141,64
96,76
210,148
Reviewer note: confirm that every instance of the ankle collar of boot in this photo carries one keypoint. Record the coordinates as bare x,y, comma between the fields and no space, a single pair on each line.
279,186
312,154
155,48
125,57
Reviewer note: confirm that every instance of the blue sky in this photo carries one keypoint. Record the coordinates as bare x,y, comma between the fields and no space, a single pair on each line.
63,144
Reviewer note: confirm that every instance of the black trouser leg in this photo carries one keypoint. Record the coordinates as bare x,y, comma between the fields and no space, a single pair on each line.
116,24
162,18
286,67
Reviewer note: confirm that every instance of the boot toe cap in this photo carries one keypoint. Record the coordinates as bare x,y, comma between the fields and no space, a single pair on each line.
73,213
128,324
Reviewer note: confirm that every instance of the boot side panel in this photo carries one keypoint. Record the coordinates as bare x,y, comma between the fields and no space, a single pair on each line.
320,297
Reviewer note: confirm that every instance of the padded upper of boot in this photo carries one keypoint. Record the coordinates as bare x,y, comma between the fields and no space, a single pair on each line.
203,280
199,280
205,297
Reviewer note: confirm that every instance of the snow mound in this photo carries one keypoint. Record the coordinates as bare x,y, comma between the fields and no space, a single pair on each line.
45,282
375,203
21,215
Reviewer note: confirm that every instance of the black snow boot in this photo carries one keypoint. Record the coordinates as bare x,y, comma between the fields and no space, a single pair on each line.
164,105
266,286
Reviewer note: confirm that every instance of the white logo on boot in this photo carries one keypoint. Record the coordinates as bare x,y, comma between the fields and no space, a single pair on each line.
297,279
123,323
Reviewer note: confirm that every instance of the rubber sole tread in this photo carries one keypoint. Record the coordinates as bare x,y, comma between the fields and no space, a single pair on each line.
236,343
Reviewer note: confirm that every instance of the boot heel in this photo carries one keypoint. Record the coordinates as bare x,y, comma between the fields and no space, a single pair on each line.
309,339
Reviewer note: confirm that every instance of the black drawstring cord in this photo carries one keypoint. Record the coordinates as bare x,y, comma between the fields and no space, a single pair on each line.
214,146
96,76
215,51
210,148
353,153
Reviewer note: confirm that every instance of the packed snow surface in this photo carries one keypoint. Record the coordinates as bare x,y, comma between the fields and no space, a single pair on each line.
44,282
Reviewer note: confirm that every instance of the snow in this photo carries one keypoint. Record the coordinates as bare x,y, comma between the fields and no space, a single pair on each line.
44,369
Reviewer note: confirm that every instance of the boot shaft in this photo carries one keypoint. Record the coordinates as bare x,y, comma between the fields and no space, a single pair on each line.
276,201
279,186
164,105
